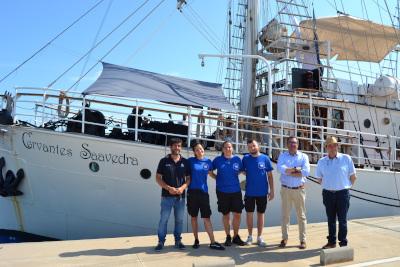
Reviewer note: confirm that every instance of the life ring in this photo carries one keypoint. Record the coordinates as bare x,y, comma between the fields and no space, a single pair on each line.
63,113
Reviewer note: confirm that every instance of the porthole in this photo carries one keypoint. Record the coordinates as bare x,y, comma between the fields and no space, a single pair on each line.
367,123
94,166
386,121
145,173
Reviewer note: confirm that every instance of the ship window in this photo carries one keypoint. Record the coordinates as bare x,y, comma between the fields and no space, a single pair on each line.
337,119
257,112
367,123
320,116
275,111
264,111
303,113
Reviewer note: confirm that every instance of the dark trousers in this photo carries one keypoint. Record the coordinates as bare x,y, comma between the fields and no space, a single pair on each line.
337,204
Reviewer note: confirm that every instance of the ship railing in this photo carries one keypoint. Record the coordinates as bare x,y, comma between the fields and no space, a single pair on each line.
365,148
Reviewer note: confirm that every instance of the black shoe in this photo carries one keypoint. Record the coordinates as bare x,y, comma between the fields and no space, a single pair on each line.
329,245
216,246
283,243
196,244
238,241
159,247
342,244
180,245
228,241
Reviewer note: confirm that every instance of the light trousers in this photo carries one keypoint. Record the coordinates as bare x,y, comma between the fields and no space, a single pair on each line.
296,198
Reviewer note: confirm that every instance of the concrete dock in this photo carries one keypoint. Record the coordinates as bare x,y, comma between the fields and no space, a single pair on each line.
376,242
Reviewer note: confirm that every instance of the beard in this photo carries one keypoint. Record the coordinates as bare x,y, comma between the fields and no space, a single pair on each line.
175,152
254,152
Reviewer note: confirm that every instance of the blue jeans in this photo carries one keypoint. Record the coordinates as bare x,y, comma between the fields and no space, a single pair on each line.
337,205
167,203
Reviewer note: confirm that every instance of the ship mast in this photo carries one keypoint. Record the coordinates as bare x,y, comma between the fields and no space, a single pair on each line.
249,65
397,48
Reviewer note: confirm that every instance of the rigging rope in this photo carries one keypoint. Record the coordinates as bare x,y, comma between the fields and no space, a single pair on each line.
350,76
206,31
200,31
51,41
121,40
98,43
221,61
160,26
366,82
95,39
206,27
390,114
313,179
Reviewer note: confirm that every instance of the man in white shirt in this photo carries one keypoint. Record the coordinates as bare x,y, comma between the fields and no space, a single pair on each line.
337,174
294,167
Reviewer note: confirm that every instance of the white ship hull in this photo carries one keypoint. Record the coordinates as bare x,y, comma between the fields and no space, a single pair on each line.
64,199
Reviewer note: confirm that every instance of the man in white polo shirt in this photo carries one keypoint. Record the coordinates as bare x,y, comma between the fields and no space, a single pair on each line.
337,175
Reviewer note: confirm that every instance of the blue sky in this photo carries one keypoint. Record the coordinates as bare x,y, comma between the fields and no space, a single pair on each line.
173,49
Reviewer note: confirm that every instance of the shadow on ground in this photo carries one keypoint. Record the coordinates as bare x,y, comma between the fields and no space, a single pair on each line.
241,255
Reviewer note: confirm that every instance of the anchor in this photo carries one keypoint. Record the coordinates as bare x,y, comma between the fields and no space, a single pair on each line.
9,184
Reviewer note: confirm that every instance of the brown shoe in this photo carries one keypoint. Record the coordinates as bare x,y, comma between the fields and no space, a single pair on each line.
303,245
329,245
283,243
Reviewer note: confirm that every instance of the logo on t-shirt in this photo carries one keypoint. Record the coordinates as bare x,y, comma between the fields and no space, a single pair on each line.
205,166
261,165
236,166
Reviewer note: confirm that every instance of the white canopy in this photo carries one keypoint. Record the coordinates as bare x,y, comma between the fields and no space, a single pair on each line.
121,81
352,38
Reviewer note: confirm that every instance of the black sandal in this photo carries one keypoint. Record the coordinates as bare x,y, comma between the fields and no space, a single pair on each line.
196,244
217,246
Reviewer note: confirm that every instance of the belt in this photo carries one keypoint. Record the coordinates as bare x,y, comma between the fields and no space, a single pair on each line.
335,191
297,187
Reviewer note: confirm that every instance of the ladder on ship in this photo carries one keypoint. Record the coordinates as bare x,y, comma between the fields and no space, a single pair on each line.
236,34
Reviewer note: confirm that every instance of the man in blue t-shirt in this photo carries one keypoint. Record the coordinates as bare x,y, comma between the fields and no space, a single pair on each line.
229,194
259,188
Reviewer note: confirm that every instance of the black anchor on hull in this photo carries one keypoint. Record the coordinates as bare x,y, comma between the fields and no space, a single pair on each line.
9,184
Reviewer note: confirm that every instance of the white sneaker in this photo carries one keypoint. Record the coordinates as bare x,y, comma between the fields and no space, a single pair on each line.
249,240
261,242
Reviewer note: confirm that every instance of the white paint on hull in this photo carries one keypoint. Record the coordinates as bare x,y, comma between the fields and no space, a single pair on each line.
64,199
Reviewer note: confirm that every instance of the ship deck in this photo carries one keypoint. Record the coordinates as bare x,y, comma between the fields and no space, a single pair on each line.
375,241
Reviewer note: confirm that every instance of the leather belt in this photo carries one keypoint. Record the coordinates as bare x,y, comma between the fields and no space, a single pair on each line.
297,187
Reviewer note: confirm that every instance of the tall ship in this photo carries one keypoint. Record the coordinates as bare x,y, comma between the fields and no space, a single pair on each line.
80,165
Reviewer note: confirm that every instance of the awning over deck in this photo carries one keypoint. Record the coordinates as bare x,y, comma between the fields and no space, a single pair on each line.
353,38
133,83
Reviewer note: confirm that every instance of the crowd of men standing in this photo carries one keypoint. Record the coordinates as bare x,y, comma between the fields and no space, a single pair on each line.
175,175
